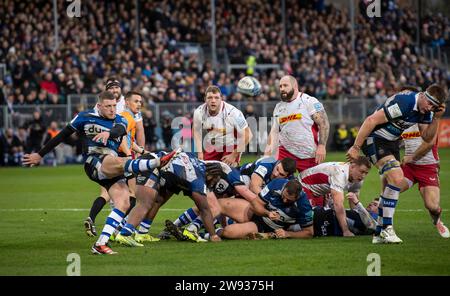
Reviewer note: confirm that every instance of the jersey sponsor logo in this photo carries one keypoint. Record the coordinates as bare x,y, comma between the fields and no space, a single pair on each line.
411,135
222,186
262,171
394,111
94,129
291,117
212,128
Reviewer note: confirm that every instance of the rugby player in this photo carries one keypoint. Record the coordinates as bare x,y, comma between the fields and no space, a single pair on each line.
379,139
421,165
135,126
254,176
360,220
266,169
220,130
185,173
300,127
334,178
231,184
282,196
101,131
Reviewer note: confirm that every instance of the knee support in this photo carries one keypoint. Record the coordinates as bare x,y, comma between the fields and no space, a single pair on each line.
389,165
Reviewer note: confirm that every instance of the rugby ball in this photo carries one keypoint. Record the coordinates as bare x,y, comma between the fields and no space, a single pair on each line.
249,86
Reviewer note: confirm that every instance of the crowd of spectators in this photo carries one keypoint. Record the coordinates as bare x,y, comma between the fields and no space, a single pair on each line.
37,131
318,49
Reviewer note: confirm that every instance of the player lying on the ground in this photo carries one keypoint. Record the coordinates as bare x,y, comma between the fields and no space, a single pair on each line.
255,175
266,169
379,138
101,132
334,178
185,173
421,165
360,220
282,196
230,184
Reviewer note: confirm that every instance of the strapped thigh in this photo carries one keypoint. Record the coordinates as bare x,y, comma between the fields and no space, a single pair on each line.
389,165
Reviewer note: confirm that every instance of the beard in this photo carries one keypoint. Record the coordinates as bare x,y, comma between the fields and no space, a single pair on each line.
117,95
287,97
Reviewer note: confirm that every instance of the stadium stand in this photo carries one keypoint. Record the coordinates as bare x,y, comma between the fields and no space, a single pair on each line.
318,50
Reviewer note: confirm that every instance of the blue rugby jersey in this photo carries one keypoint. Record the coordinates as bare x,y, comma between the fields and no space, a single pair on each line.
189,168
402,112
300,212
263,167
89,123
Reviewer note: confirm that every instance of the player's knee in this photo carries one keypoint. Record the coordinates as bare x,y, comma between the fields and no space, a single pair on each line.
122,204
397,181
431,205
391,169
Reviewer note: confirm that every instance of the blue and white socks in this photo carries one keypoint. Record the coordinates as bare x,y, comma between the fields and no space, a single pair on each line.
145,225
187,217
386,208
112,222
136,166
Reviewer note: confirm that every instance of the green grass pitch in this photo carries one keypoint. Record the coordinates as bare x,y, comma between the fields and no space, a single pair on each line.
42,210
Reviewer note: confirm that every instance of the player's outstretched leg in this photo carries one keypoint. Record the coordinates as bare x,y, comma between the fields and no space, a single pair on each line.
142,165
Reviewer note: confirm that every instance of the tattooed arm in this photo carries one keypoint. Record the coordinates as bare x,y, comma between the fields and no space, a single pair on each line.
321,119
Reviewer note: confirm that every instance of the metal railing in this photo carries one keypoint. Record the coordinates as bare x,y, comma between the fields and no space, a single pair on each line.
349,110
435,54
261,67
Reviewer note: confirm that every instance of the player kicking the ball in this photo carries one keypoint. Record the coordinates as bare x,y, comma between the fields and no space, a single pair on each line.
101,131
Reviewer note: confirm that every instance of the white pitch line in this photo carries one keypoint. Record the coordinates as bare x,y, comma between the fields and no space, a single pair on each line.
164,210
69,210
